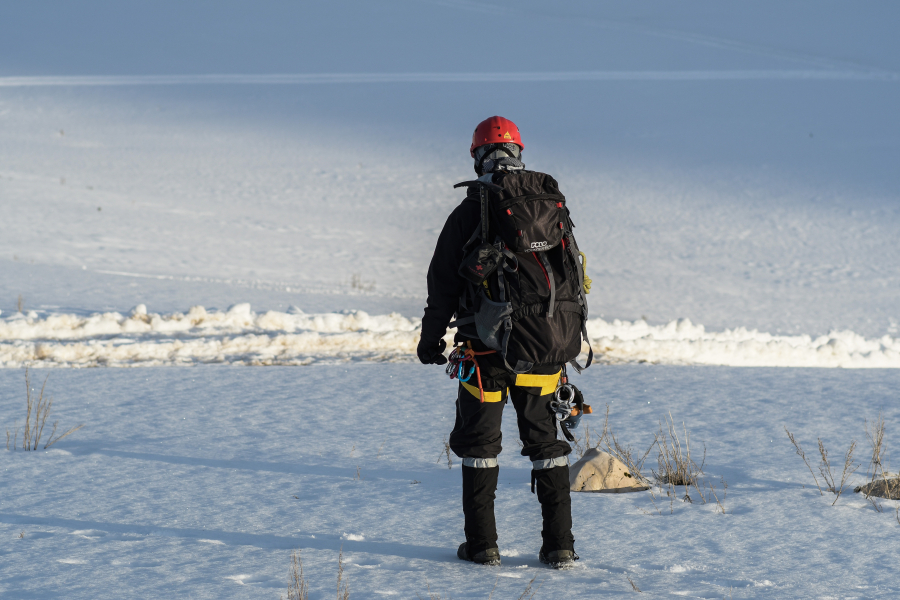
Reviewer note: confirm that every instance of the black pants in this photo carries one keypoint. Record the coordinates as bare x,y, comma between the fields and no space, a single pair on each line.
476,438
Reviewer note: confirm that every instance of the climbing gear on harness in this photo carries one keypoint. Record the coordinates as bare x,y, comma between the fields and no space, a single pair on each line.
562,402
568,406
456,369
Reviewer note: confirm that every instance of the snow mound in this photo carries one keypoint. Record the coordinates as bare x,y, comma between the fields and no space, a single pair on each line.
235,336
240,336
683,343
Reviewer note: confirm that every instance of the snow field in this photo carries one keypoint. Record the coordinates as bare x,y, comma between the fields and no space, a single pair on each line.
727,165
241,336
183,484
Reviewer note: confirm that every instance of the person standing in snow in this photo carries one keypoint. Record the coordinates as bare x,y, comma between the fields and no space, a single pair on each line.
518,299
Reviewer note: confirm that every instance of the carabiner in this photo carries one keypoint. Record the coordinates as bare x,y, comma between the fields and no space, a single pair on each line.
562,401
462,370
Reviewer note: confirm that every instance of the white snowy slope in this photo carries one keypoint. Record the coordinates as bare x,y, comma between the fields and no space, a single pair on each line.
198,483
734,166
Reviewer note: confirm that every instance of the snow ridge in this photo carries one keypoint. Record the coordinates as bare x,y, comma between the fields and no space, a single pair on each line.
683,343
241,336
235,336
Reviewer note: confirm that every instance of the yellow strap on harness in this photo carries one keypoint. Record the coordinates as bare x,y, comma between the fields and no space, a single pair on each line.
488,396
547,383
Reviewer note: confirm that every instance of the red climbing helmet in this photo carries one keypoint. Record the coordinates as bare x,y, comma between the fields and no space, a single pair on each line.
495,130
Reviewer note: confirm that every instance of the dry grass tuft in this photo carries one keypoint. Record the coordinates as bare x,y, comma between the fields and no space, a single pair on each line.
881,484
802,455
493,589
879,448
832,483
343,588
435,595
446,451
298,589
37,410
720,503
828,476
676,466
20,304
583,442
676,463
610,442
530,590
634,586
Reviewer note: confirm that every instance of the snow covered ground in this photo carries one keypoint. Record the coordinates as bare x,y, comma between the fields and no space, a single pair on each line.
262,184
198,483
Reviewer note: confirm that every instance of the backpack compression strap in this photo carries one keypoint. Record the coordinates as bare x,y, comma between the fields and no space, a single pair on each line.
551,281
572,247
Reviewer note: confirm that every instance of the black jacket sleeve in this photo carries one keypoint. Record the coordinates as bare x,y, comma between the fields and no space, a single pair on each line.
445,286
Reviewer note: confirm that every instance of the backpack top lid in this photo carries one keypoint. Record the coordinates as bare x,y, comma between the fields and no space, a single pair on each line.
525,183
530,213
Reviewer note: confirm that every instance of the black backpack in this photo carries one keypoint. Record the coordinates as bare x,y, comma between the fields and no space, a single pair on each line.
525,292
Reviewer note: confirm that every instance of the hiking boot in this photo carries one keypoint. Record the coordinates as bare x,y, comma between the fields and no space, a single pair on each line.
490,557
558,559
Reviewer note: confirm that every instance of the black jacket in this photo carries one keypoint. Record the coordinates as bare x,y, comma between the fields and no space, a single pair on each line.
445,286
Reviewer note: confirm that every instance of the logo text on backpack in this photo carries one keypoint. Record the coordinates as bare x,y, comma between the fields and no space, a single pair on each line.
536,245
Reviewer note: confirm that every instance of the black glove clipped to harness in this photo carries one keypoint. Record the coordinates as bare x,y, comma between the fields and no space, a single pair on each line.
431,353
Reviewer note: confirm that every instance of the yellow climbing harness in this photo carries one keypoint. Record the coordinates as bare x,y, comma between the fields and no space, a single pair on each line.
546,383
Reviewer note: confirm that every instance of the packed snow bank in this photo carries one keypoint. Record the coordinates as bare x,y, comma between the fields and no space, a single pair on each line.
236,336
241,336
683,343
